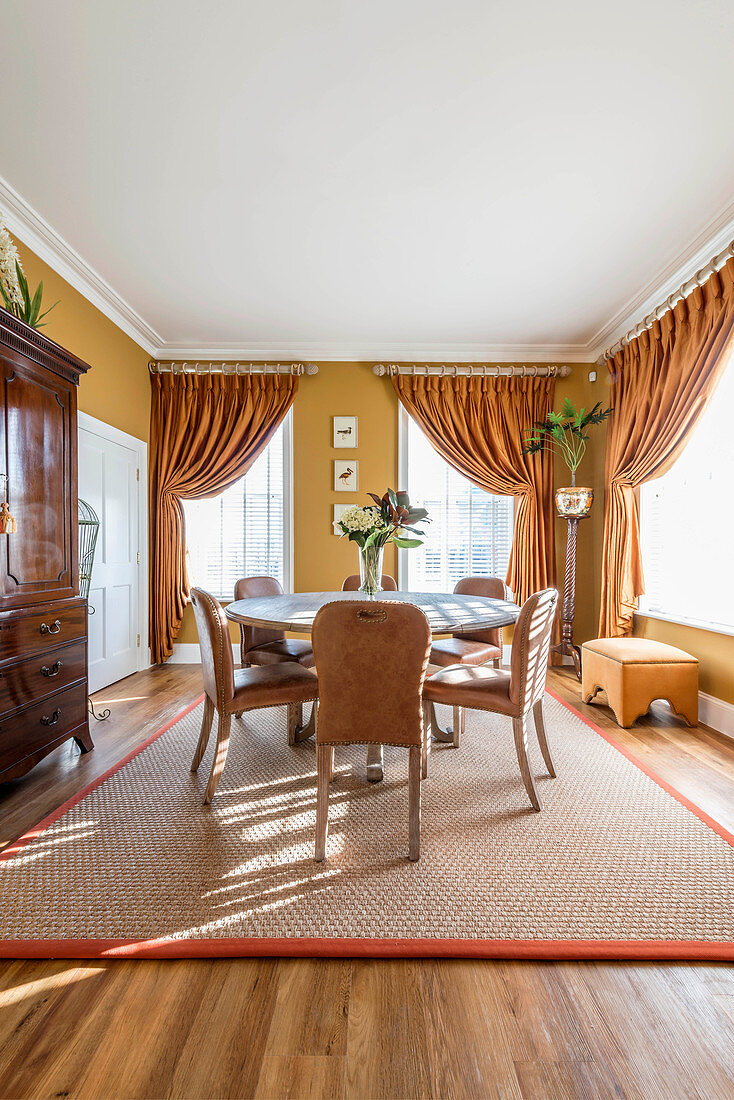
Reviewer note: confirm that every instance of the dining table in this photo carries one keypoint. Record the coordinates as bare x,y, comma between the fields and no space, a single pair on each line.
447,613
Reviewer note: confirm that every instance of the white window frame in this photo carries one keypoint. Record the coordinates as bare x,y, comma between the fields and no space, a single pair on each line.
403,420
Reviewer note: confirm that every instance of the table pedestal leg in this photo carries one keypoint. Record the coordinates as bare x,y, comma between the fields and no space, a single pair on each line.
374,763
297,732
447,736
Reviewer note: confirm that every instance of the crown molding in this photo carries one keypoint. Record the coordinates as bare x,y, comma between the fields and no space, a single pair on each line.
35,232
371,353
715,236
28,226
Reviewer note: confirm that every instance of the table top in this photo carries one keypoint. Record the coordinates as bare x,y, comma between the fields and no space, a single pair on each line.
446,613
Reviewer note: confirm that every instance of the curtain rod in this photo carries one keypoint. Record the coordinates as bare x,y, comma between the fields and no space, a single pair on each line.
475,370
232,368
670,302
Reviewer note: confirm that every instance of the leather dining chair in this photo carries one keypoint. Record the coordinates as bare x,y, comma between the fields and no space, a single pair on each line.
478,648
375,652
259,646
231,691
351,584
514,693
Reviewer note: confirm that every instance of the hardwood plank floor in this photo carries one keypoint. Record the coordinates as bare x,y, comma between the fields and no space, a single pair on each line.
342,1028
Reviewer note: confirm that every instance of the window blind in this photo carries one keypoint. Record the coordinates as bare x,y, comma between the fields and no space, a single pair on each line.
687,524
241,532
470,530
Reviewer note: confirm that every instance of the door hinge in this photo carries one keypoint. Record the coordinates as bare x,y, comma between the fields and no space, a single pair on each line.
138,473
138,557
138,641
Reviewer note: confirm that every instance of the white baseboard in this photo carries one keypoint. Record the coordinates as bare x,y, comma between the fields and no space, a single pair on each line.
716,713
187,653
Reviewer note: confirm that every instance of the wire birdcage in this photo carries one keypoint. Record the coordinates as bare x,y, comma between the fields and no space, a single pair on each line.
88,531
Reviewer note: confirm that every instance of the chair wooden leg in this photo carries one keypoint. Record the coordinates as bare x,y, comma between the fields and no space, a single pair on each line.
220,755
520,729
324,766
542,739
426,744
496,662
206,729
295,720
414,801
458,724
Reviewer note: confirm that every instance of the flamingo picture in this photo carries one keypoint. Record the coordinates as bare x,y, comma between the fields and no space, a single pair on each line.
345,476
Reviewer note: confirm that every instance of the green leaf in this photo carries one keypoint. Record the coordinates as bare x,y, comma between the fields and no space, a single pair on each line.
36,304
407,544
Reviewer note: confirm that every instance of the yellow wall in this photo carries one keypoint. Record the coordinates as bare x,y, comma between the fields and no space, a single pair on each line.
352,389
116,389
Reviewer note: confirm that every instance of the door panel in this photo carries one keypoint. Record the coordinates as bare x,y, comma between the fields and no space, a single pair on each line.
108,481
38,440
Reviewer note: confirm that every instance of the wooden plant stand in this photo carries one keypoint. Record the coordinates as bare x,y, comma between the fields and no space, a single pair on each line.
566,646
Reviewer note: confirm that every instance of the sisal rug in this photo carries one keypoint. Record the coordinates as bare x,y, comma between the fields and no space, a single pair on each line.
617,865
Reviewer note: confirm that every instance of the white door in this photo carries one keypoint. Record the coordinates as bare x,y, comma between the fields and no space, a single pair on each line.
111,481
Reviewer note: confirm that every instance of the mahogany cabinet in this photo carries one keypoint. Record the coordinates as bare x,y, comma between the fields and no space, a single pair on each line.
43,620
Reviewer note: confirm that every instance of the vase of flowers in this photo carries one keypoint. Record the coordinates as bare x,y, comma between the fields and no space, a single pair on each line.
390,519
566,434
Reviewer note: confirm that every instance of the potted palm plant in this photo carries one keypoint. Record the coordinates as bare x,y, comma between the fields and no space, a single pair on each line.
566,434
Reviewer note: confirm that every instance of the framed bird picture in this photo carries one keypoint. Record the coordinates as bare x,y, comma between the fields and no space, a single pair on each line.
346,476
345,431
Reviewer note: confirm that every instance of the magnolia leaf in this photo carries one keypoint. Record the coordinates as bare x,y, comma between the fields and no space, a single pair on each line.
407,544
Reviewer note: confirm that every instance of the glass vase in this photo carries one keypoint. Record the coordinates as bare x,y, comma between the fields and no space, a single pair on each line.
370,569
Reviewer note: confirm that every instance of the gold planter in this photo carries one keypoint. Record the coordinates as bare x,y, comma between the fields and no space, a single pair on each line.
574,501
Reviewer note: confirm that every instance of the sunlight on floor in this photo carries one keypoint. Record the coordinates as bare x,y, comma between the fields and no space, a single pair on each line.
28,990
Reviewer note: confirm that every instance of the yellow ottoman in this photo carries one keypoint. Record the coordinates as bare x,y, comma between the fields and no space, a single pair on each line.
634,671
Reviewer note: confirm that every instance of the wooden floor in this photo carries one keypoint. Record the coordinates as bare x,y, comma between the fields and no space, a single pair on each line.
343,1028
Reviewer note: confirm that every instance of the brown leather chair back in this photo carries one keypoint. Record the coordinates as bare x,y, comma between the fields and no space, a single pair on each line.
247,588
371,658
351,584
491,587
216,647
531,647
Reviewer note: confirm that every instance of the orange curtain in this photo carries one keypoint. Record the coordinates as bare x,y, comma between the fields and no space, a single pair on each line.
205,433
478,426
660,384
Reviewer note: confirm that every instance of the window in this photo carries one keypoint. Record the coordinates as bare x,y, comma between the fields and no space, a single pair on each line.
245,531
470,530
687,525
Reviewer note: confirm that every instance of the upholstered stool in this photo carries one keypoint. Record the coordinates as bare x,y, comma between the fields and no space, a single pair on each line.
634,671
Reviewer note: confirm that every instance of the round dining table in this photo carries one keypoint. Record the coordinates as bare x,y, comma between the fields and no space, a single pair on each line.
447,613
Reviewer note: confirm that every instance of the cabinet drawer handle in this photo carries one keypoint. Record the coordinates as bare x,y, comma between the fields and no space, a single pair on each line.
47,720
54,670
53,629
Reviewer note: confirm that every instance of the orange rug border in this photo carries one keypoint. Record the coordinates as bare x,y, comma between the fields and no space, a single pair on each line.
297,947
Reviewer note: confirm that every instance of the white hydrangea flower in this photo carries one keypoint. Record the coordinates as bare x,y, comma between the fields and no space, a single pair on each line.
356,518
8,258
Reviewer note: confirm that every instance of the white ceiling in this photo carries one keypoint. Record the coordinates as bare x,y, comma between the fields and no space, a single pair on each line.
351,178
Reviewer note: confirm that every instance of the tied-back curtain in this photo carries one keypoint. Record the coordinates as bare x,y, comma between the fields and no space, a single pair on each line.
479,425
660,384
205,432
